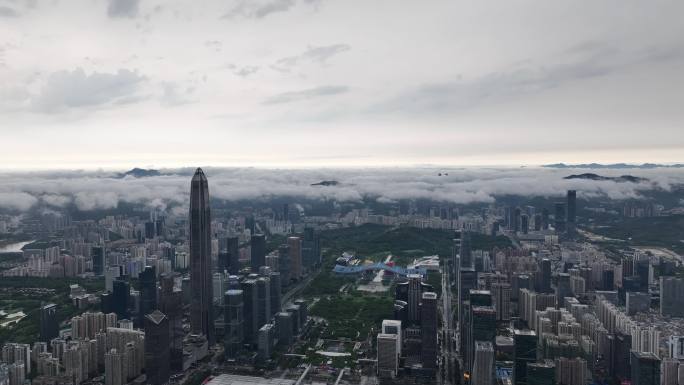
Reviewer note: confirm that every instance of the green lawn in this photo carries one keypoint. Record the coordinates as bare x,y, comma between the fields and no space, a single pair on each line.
353,316
404,242
13,299
665,231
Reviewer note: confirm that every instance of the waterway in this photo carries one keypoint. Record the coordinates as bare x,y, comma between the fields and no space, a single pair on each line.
13,247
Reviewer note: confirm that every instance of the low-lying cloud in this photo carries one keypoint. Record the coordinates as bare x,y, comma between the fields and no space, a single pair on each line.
103,190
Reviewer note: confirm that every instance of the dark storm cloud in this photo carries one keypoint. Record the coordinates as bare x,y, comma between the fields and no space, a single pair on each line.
123,8
311,93
73,89
318,55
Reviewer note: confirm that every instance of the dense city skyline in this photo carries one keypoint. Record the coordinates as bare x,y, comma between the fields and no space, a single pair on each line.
557,287
302,83
403,192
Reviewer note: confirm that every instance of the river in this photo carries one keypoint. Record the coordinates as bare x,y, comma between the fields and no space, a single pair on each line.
13,247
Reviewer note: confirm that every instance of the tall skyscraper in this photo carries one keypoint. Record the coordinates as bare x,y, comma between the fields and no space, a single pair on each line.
643,270
201,313
537,222
545,219
571,371
482,328
524,223
296,319
284,324
49,325
560,221
456,257
671,294
234,334
303,311
157,344
311,248
276,292
508,217
428,326
115,373
250,310
150,231
544,285
467,282
621,365
295,254
170,303
388,359
148,291
390,326
502,299
466,252
483,365
263,301
98,259
258,252
121,293
223,257
563,289
572,210
414,296
265,345
645,368
525,351
233,250
284,264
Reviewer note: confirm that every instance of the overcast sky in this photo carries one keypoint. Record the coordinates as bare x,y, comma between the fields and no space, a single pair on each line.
121,83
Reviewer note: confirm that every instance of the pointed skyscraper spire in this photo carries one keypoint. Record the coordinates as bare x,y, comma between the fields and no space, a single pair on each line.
201,317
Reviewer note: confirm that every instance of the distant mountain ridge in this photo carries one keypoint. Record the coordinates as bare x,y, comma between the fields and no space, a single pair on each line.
139,173
622,178
614,165
326,183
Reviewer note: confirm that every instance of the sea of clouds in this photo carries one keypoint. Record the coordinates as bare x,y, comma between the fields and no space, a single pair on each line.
89,190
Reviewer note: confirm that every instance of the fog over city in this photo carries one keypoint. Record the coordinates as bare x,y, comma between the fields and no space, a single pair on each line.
89,190
347,192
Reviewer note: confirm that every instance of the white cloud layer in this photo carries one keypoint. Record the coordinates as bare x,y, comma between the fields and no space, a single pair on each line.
100,190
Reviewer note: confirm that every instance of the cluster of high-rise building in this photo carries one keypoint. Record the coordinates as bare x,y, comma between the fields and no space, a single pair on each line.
550,310
562,311
141,328
408,342
523,220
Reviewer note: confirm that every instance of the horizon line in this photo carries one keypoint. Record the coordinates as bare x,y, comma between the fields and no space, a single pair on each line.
268,166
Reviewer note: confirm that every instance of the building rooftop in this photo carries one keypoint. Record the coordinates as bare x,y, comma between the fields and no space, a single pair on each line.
231,379
156,316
